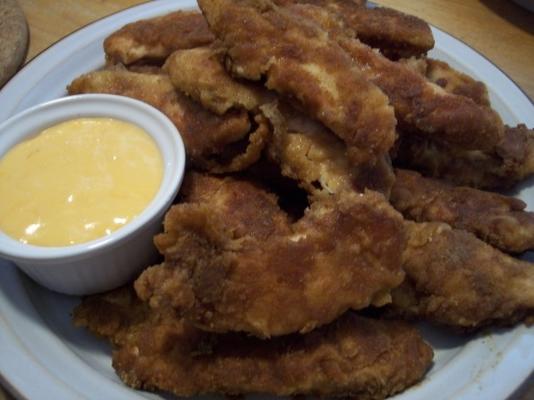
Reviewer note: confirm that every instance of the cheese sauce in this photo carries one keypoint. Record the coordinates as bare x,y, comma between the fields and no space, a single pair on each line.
77,181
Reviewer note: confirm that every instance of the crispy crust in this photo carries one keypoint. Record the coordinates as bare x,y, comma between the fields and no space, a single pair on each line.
353,357
394,33
499,220
301,62
508,163
344,253
455,82
455,279
156,38
451,80
201,75
420,106
309,153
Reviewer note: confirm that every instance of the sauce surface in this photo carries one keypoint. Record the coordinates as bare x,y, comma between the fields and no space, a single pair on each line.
77,181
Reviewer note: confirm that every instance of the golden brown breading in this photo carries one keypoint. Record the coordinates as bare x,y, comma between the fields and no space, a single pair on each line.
417,64
353,357
201,75
420,106
509,162
212,142
301,62
451,80
496,219
455,279
312,155
154,39
250,210
239,155
394,33
112,315
456,82
221,276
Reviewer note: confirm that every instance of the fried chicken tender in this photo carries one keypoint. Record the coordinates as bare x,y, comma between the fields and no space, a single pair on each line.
301,62
420,106
212,142
232,264
112,315
251,210
201,75
354,356
496,219
456,82
451,80
396,34
311,154
508,163
156,38
417,64
455,279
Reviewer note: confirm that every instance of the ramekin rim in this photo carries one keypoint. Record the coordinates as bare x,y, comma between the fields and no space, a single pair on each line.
15,250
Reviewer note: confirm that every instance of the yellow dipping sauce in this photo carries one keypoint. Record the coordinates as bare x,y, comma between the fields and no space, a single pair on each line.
77,181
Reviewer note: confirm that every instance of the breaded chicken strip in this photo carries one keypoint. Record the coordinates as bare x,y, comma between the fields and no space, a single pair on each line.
496,219
113,315
508,163
320,155
420,106
301,62
451,80
229,269
309,153
455,279
251,210
212,142
456,82
154,39
354,356
396,34
201,75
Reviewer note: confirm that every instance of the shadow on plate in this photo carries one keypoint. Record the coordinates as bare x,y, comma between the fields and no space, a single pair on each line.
442,338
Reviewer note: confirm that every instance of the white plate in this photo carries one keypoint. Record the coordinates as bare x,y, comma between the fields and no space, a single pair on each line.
42,356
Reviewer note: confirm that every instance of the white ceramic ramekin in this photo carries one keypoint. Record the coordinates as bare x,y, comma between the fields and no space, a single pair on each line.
113,260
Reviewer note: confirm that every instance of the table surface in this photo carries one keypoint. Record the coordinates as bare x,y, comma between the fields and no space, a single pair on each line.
499,29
